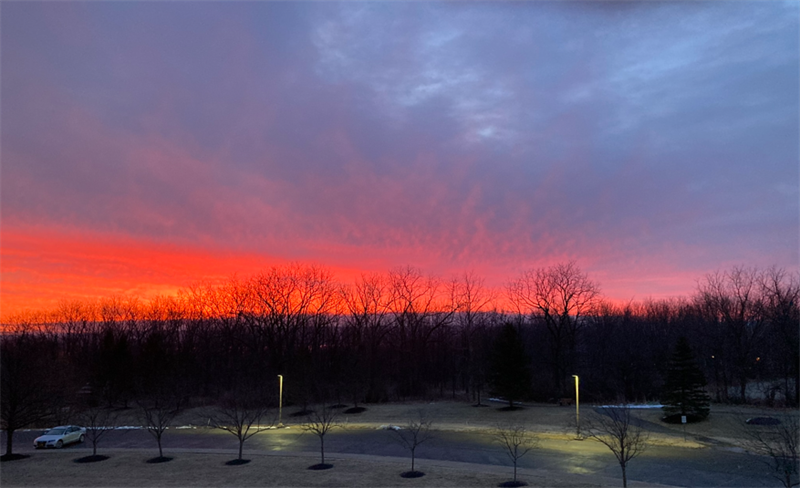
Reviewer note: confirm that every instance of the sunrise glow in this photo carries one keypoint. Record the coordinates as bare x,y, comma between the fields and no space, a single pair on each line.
150,146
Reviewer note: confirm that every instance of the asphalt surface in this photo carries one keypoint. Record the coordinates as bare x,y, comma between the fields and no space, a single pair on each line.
706,467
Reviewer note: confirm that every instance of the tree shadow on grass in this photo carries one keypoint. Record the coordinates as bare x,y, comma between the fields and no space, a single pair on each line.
236,462
13,457
355,410
159,459
90,459
320,466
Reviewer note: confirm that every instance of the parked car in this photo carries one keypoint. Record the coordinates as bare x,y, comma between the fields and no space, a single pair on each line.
60,436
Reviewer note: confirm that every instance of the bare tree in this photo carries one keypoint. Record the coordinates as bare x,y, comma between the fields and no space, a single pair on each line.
414,433
779,444
560,296
25,396
517,441
241,415
367,302
420,307
473,300
735,300
781,292
98,422
320,421
615,428
291,303
157,413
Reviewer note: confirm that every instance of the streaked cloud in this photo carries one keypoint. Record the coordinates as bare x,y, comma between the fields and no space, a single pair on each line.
647,141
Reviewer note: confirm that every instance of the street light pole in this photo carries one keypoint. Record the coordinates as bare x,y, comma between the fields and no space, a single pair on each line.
577,405
280,400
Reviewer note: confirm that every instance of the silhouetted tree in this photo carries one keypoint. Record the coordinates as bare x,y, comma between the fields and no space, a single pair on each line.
779,444
241,414
398,334
560,296
367,302
158,410
411,436
98,420
781,292
320,421
473,300
114,368
734,300
510,376
25,394
616,428
419,308
684,388
517,441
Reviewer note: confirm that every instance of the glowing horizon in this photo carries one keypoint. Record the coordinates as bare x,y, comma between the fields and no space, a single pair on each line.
80,268
149,146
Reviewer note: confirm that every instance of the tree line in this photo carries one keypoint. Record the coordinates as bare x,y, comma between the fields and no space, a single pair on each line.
401,335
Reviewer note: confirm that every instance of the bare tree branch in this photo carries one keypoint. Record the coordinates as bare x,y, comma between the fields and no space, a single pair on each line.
778,443
243,416
415,432
517,441
615,428
319,422
158,412
98,421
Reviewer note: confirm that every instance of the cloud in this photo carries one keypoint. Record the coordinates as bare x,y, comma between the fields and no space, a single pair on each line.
451,136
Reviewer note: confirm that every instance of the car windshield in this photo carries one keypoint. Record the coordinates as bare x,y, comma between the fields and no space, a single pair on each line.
55,432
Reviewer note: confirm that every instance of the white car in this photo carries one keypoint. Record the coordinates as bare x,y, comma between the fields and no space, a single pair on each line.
60,436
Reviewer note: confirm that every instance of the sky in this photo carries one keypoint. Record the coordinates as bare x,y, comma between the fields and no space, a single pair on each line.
147,146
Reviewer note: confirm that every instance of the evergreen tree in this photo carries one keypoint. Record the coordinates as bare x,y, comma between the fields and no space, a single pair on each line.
510,376
684,389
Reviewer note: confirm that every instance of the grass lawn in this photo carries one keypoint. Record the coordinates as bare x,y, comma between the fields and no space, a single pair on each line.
127,467
725,424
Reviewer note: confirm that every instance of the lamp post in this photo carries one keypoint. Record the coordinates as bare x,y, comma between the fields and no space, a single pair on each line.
280,400
577,405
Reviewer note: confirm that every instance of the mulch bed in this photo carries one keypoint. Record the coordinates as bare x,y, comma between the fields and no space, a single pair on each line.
90,459
320,466
236,462
159,459
13,457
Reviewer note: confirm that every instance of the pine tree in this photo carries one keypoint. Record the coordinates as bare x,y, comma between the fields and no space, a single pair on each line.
510,376
684,389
